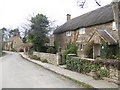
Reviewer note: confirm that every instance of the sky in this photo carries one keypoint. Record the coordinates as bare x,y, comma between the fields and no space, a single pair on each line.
15,13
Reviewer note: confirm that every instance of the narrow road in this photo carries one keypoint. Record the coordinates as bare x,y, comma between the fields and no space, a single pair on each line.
20,73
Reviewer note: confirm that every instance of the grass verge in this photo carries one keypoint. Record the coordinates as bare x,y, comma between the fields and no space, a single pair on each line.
80,83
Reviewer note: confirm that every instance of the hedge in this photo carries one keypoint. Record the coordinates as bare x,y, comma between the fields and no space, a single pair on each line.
86,66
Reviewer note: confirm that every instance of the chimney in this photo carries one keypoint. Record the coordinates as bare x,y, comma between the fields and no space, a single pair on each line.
116,13
68,17
115,8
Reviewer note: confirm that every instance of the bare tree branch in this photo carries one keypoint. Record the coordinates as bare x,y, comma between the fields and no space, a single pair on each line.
82,3
97,3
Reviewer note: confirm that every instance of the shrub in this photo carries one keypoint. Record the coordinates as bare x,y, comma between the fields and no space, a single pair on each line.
51,50
13,50
84,66
79,65
44,60
35,57
38,58
30,52
103,73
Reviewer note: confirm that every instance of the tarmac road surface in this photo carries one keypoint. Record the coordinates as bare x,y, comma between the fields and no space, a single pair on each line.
20,73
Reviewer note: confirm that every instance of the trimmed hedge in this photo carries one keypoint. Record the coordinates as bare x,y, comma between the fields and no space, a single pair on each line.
81,66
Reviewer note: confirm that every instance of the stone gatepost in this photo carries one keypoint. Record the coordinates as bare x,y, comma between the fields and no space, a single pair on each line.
59,58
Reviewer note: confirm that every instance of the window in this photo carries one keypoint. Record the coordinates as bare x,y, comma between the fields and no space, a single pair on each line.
80,47
68,33
114,26
82,31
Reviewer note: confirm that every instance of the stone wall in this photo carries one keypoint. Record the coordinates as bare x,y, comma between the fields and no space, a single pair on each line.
0,36
51,58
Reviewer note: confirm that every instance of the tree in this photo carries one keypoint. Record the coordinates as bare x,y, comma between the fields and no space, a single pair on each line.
14,32
38,32
5,34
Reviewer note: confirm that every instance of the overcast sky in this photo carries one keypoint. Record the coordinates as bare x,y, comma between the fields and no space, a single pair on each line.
14,13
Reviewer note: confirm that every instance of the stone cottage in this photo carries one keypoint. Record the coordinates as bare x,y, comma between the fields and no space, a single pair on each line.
13,43
84,28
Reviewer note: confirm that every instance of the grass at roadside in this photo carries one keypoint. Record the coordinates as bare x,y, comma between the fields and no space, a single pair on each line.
80,83
2,54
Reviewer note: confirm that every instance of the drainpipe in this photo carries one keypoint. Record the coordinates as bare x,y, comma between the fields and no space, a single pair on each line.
93,50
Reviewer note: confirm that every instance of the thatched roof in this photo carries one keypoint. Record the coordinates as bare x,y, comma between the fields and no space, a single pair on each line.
107,37
96,17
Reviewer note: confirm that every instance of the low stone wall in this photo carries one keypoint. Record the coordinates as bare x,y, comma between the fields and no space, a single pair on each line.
51,58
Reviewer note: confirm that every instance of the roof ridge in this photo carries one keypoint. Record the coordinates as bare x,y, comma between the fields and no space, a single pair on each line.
110,35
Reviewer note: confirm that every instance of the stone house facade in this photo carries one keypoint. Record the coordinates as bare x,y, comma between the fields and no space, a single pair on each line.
81,29
13,43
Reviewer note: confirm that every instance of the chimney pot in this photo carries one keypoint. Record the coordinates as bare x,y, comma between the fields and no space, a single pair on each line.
68,17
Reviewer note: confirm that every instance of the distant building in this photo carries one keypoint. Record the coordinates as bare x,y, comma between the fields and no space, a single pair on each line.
13,43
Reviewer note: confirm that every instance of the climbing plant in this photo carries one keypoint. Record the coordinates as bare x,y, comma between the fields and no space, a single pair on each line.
109,51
